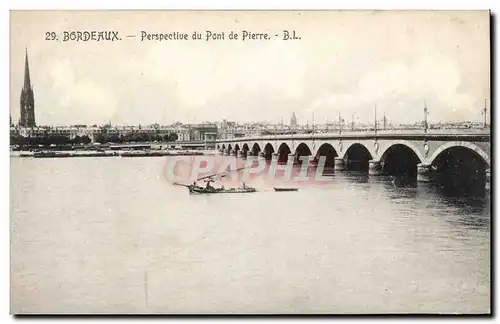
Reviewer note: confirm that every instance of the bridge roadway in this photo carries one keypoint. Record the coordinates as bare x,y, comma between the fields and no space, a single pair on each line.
426,148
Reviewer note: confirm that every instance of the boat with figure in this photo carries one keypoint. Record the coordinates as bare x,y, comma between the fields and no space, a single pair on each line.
209,189
201,190
286,189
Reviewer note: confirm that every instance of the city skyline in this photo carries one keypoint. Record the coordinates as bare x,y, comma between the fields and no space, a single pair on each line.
354,69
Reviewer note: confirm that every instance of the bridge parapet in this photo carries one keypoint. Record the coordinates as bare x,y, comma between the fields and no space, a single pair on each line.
400,133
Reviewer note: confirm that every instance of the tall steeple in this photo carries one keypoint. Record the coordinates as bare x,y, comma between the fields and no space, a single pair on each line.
27,98
27,80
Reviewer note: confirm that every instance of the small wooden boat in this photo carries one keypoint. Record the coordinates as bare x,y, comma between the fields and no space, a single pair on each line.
286,189
199,190
208,189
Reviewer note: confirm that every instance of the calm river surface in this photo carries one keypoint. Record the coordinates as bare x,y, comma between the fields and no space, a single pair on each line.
111,235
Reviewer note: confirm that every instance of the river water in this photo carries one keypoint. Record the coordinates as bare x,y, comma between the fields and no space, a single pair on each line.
112,235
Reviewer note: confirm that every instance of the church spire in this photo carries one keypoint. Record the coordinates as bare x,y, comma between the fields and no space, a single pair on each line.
27,99
27,80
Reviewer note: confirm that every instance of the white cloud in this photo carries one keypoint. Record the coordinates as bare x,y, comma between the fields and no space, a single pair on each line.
83,97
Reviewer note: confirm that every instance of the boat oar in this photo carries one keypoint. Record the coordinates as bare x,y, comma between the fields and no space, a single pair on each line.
181,184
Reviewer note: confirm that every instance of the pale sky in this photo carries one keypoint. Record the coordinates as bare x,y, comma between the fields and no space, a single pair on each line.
345,62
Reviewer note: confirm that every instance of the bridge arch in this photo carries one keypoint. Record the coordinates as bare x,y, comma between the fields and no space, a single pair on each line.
283,152
358,156
268,151
401,158
256,149
468,145
460,168
236,147
405,143
245,147
223,146
229,147
327,150
302,150
368,148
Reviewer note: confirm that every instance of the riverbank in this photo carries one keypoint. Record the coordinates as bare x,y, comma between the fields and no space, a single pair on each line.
80,154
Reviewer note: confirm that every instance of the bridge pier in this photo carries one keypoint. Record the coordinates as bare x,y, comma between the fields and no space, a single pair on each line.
241,154
226,152
424,172
249,153
275,157
339,164
488,179
292,157
374,168
233,152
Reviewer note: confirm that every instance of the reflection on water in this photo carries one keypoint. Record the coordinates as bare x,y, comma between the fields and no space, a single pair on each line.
356,176
404,181
113,235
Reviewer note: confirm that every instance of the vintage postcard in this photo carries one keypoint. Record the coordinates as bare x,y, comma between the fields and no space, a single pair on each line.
250,162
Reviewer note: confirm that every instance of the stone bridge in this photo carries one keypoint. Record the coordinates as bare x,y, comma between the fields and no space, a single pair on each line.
383,152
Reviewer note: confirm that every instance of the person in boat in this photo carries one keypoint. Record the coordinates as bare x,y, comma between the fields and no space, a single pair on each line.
209,187
244,185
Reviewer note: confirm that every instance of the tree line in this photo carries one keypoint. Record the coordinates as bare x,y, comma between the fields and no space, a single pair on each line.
135,137
48,140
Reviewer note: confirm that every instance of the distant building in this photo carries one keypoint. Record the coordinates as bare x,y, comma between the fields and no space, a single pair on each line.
293,120
27,118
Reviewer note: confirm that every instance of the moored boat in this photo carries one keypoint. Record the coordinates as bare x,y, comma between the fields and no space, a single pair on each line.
51,154
286,189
